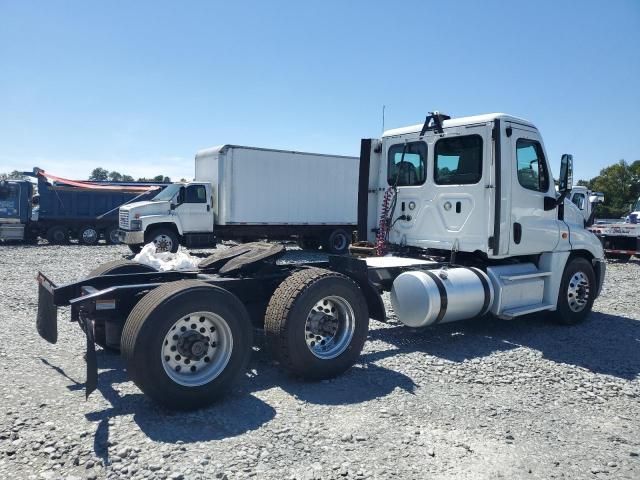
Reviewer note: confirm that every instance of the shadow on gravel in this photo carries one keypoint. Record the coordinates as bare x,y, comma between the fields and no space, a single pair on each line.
234,415
604,344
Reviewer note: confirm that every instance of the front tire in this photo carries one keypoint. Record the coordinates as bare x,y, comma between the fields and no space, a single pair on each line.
185,343
164,239
577,292
316,323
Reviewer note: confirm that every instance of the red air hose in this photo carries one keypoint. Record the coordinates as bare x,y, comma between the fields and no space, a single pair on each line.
383,228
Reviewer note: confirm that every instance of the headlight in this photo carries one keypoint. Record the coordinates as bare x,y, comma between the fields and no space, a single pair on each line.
136,224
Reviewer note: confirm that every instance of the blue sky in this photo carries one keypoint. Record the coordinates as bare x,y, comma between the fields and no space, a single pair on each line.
140,86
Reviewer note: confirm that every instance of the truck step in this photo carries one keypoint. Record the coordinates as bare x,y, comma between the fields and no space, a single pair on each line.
519,311
524,276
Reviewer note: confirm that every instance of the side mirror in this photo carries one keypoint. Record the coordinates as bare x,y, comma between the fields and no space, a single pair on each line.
565,182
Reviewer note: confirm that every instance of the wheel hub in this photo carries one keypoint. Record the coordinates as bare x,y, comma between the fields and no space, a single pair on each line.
329,327
193,345
197,348
578,292
163,243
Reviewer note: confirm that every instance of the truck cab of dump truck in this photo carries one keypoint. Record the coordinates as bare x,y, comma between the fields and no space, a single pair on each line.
15,209
181,213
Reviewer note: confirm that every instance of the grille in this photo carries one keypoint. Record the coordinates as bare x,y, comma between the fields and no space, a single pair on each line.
124,219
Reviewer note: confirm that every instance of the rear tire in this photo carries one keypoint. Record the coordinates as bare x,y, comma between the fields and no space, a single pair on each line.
164,239
316,323
577,292
88,235
111,235
58,235
170,308
338,242
113,268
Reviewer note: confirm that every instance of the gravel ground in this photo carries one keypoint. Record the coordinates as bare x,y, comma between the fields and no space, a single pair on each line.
469,400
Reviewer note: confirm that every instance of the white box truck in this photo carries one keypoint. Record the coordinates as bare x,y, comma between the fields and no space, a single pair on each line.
245,193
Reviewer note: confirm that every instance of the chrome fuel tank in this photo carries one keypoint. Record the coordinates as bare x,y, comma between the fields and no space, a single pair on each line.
428,297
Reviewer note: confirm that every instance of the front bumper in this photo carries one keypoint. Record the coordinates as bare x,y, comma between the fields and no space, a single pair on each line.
131,238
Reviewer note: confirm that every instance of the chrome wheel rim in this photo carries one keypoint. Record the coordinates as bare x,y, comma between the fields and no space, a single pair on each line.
163,243
578,292
329,327
196,349
89,235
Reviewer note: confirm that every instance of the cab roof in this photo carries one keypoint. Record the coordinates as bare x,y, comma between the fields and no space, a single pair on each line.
459,121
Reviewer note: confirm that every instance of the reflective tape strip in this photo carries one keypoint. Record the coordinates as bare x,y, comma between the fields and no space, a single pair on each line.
444,301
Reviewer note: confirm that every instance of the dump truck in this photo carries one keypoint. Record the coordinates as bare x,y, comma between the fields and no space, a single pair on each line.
59,209
249,193
458,218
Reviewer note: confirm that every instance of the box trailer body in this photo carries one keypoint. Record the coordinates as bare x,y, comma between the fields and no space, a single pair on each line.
247,193
59,211
261,186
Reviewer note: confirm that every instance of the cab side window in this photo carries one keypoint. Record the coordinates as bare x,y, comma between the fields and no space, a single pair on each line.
532,168
406,164
458,160
196,194
578,200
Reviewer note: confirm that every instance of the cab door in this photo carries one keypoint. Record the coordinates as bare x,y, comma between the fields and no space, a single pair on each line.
533,229
195,210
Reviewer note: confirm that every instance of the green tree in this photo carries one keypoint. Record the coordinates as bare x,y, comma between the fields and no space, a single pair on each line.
127,178
115,176
99,175
620,184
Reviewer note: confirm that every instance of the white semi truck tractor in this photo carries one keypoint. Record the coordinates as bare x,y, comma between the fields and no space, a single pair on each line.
457,218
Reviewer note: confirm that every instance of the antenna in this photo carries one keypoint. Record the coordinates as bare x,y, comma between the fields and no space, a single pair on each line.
383,109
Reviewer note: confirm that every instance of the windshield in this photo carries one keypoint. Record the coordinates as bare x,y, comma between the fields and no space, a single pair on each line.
168,193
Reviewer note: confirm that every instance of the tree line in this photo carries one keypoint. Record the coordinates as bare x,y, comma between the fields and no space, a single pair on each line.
100,174
620,184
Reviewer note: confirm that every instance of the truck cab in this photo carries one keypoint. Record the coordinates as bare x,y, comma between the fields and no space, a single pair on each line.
15,209
479,184
181,213
585,200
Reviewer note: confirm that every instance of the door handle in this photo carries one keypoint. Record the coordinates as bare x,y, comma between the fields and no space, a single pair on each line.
458,207
517,233
208,208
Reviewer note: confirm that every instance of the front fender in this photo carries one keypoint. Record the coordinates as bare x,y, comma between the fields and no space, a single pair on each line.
150,220
582,239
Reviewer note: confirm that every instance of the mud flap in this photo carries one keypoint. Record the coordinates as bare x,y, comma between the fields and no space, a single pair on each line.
47,318
92,362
